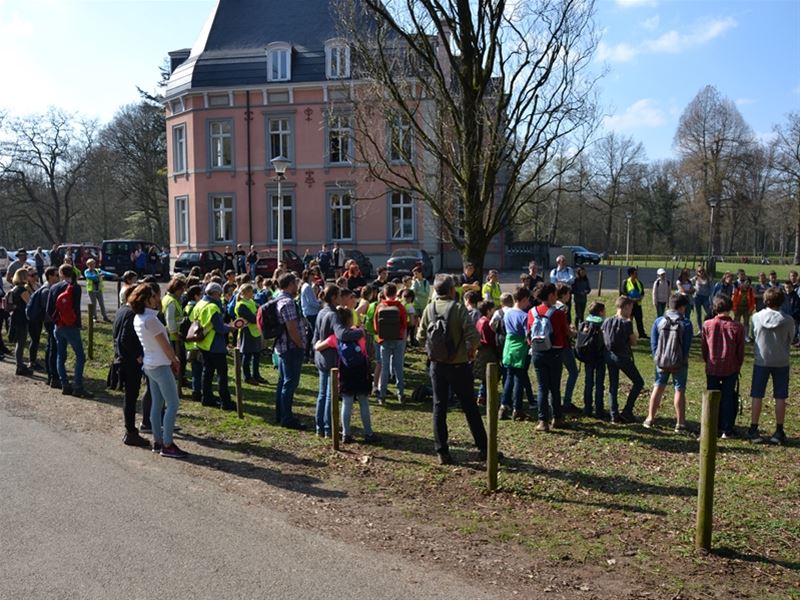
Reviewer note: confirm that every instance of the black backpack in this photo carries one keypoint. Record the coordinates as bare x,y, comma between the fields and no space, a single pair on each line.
388,322
269,321
589,345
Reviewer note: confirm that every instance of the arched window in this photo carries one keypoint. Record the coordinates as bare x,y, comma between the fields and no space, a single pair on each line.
279,62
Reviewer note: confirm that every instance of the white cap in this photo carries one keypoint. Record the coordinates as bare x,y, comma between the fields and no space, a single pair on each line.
213,288
661,272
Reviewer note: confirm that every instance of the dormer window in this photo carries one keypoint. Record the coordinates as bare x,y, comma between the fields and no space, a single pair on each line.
279,62
337,60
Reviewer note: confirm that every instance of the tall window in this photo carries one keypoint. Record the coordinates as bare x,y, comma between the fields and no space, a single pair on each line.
220,135
288,220
179,149
338,61
341,216
279,134
402,215
279,65
182,220
339,139
400,144
222,218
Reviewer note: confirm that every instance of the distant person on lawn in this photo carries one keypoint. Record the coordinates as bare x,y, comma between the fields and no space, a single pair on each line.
620,339
633,288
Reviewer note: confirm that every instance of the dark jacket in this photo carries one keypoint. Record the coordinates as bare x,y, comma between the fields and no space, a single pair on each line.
326,324
55,292
127,347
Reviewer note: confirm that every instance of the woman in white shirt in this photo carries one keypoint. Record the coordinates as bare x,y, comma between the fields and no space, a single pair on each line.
160,364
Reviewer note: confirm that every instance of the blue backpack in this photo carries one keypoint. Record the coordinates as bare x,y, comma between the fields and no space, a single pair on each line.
34,311
350,354
231,307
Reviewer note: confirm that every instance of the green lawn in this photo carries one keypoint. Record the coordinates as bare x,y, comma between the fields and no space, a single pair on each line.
588,494
752,269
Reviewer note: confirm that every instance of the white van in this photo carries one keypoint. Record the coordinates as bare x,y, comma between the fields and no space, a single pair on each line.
4,261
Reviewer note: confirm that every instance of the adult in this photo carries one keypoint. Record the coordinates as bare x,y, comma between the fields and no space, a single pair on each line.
565,274
214,347
250,341
548,362
227,260
619,340
421,288
491,289
724,287
38,260
16,301
671,332
160,365
67,318
324,258
661,292
240,260
470,282
152,260
450,371
536,278
94,287
702,296
310,306
290,348
128,357
337,259
36,311
580,294
129,279
252,261
19,262
773,333
723,353
139,260
390,323
633,289
307,258
685,286
172,310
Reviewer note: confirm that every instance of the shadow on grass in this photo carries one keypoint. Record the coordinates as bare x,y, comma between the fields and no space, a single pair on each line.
726,552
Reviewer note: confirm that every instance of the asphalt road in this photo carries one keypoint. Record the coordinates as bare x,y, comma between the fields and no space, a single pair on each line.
84,518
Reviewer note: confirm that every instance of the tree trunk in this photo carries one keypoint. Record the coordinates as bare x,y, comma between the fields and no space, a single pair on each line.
797,234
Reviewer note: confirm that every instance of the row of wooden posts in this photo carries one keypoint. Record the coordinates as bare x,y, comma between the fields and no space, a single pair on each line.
708,431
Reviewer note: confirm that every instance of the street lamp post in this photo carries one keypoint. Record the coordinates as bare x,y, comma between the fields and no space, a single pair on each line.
628,217
280,164
713,202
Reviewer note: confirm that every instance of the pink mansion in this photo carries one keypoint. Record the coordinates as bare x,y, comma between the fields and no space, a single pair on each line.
266,79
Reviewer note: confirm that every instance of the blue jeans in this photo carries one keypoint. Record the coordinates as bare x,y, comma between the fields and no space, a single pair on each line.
323,415
163,390
347,412
572,374
70,336
548,377
289,365
392,355
660,308
595,385
51,352
728,403
625,364
252,271
703,302
197,375
515,383
250,364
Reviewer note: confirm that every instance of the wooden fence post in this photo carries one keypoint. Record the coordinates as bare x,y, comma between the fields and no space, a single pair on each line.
119,289
90,332
334,383
237,364
708,461
600,283
492,408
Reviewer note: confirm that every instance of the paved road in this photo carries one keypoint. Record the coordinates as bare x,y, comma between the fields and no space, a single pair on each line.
82,519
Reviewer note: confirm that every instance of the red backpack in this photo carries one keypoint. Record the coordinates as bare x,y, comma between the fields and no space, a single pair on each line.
65,309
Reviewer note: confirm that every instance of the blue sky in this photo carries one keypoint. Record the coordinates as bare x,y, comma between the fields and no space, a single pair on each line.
89,56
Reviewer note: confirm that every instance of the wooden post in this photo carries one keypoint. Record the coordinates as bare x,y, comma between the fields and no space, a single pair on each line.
600,283
708,460
90,332
237,364
119,289
334,383
492,407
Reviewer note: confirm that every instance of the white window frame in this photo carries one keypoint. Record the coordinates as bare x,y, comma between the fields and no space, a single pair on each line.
340,125
218,213
337,205
400,126
182,220
337,60
286,149
179,148
403,203
288,215
275,52
216,144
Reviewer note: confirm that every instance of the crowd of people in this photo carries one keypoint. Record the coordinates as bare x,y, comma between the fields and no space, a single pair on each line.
329,314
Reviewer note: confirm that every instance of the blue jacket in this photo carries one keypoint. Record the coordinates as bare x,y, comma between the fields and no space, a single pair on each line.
687,333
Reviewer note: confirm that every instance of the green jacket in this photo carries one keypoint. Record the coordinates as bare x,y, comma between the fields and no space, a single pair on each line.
460,327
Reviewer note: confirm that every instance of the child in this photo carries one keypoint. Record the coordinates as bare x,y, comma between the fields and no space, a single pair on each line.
407,296
515,356
250,340
471,300
487,350
791,306
408,281
193,295
499,328
590,350
580,292
354,377
491,289
661,292
563,298
744,305
619,340
369,327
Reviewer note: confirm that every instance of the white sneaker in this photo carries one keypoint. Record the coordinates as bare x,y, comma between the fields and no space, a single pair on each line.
647,424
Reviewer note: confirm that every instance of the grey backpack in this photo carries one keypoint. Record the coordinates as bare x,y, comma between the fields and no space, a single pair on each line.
669,349
439,345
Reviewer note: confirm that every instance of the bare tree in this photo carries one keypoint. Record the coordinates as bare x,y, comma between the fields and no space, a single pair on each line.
660,202
464,104
787,161
711,138
616,172
43,161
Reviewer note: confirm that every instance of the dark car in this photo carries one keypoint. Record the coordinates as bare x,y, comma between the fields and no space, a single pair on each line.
80,253
584,256
364,263
402,261
117,257
268,262
207,260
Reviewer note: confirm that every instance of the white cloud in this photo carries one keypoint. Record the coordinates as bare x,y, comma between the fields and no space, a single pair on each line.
744,101
651,23
635,3
16,28
643,113
618,53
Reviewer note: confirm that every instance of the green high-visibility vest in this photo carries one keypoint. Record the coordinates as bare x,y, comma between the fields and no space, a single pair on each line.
204,311
253,307
165,302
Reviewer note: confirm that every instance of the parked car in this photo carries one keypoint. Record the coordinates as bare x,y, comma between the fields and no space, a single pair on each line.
117,256
4,260
364,263
268,262
80,253
403,260
207,260
584,256
32,261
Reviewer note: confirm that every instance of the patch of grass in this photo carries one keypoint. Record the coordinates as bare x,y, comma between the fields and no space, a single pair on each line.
590,493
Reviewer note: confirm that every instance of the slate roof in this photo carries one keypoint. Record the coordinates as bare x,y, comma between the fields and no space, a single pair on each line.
231,49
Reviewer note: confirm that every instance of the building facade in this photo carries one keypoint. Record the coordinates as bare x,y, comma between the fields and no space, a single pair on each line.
266,79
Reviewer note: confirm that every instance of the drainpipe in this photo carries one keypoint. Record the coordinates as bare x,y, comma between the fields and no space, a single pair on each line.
248,116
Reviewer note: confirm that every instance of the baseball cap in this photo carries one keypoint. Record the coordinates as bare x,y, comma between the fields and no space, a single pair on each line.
661,272
213,288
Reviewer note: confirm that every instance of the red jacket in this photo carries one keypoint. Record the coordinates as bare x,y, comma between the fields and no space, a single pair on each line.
403,317
723,346
558,321
751,299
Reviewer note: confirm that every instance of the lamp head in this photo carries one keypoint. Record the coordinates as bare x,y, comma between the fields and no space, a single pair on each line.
280,164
